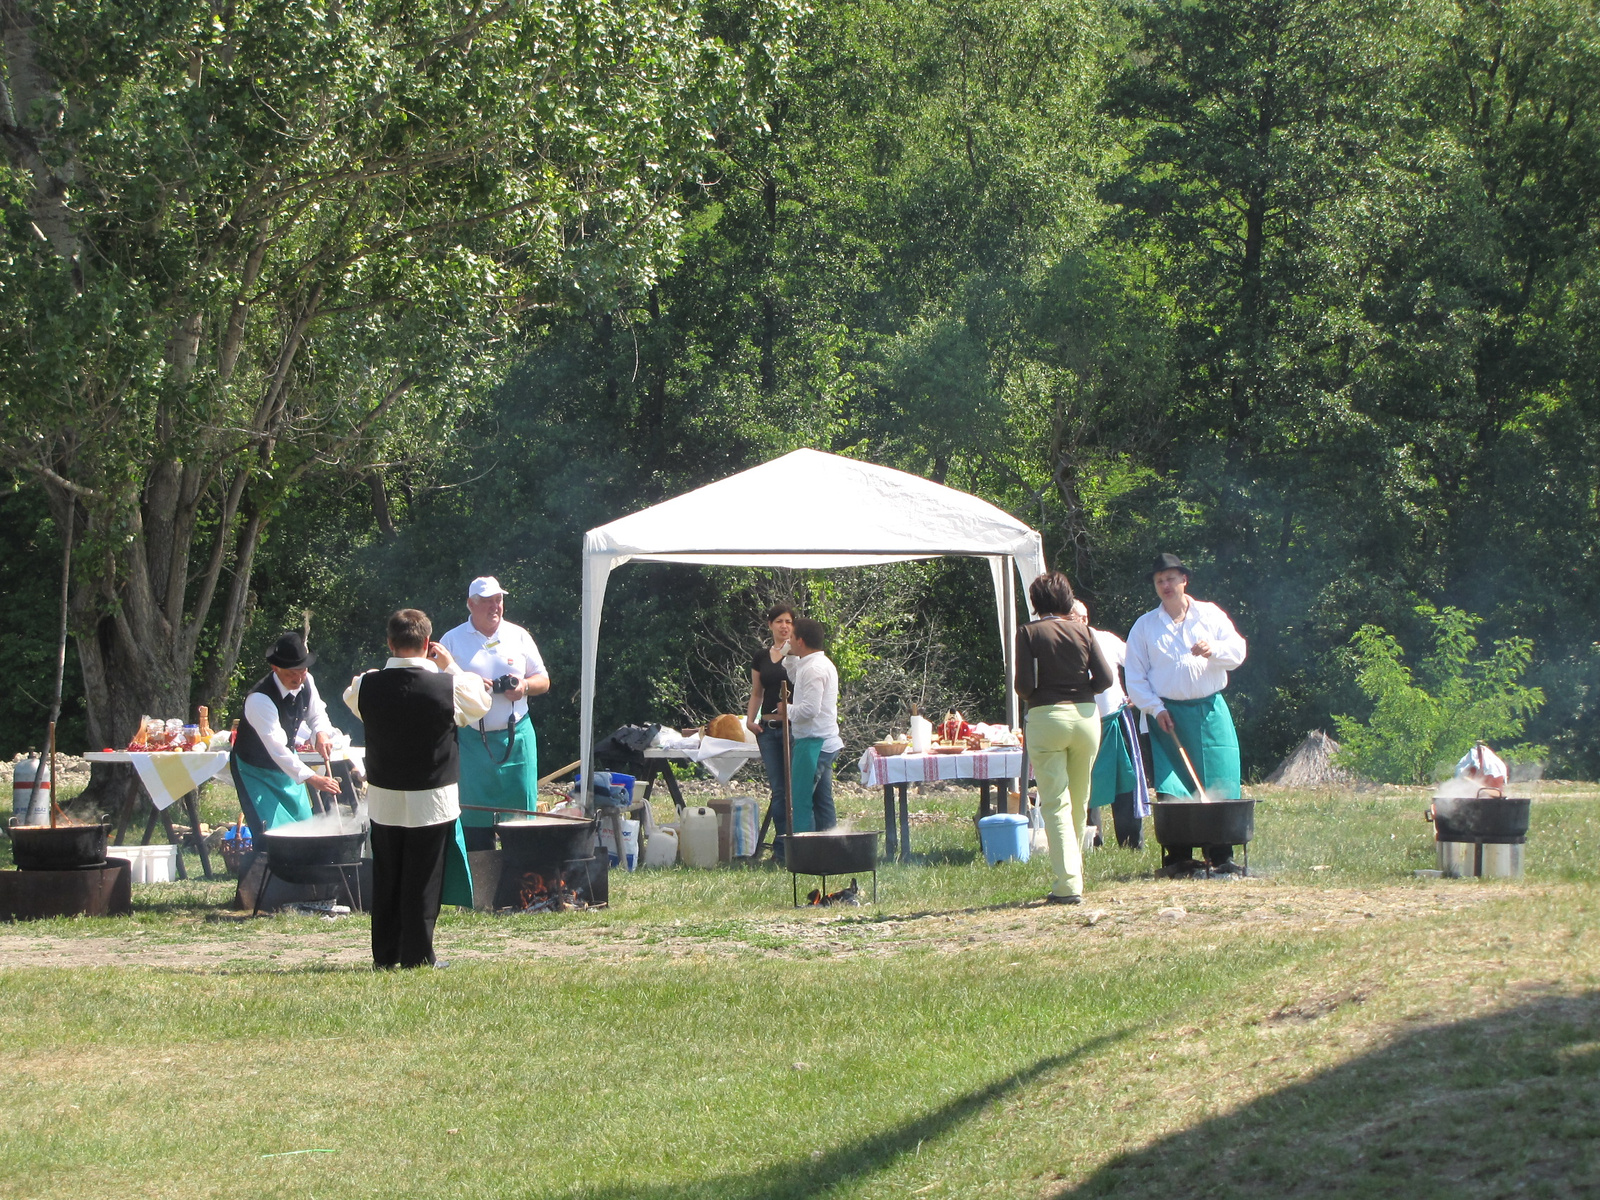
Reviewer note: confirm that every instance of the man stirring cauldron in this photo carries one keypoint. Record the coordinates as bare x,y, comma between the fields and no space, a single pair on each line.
1179,656
268,775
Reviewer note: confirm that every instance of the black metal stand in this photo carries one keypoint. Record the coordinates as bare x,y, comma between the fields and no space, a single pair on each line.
889,840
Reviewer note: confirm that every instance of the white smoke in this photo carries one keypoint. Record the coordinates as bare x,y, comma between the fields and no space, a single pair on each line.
326,824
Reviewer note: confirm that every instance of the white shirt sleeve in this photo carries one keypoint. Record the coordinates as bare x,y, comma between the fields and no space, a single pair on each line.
352,694
263,717
1227,644
535,659
808,693
1136,671
472,696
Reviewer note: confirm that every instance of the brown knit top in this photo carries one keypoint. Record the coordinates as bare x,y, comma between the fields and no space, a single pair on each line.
1059,662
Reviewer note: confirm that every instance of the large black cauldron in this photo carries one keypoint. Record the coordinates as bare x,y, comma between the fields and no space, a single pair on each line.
1204,822
538,843
831,852
1480,819
58,847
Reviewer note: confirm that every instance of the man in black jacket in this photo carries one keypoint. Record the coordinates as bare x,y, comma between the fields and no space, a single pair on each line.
411,709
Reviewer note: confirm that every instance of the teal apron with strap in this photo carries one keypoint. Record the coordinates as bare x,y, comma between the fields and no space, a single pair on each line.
495,775
277,799
803,768
1113,765
1205,730
457,887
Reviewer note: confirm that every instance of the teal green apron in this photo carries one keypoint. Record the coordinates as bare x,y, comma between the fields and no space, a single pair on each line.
803,769
1113,765
457,887
1205,730
277,799
490,779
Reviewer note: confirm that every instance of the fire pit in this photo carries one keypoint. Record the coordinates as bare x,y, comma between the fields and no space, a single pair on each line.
831,852
62,871
548,864
1206,823
1480,835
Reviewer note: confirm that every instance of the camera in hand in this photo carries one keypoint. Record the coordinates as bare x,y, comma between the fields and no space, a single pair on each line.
506,684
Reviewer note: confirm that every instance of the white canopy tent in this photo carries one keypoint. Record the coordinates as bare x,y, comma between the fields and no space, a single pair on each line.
846,514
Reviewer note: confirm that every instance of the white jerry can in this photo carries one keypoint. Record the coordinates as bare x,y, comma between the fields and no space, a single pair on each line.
697,837
662,848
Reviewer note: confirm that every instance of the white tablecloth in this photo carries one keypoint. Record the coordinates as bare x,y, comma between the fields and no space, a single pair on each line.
876,770
168,775
721,758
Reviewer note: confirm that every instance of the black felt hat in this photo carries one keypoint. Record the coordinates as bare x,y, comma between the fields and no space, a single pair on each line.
289,652
1168,562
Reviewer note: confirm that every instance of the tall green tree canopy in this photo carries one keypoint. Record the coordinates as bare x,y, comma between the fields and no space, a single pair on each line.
252,242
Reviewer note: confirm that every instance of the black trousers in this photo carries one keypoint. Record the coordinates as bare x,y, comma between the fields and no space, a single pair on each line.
407,878
1130,829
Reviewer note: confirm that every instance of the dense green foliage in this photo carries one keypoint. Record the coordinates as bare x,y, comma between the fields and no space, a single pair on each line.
1418,731
1303,291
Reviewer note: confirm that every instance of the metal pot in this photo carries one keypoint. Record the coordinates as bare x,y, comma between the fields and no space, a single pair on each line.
831,853
1480,819
534,843
1204,822
312,850
59,847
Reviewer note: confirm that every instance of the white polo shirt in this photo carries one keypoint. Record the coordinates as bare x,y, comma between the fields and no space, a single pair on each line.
1116,653
1159,663
509,650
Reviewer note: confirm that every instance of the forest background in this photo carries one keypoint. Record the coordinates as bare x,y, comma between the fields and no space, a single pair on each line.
1305,291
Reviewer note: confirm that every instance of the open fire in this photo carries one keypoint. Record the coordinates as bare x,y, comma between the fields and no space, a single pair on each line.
536,893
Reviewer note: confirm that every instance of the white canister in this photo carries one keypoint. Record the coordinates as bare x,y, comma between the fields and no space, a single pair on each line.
697,837
661,848
921,735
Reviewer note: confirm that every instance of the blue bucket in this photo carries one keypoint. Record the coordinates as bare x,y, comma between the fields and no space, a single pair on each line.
1004,836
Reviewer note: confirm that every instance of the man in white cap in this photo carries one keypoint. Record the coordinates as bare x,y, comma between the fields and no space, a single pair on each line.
500,754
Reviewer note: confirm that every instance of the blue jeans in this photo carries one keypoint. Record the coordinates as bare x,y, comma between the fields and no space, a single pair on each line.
770,741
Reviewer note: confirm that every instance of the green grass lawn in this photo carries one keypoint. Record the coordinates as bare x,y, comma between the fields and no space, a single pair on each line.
1344,1032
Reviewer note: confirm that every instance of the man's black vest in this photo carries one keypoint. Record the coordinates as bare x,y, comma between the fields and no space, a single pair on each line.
249,747
409,715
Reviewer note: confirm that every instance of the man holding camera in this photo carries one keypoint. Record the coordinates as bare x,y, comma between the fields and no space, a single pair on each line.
500,755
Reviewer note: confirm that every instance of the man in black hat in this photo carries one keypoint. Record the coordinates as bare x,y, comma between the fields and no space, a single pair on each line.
269,776
1179,656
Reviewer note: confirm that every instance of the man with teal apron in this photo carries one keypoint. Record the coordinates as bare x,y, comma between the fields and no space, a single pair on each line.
1179,656
500,753
814,725
267,773
411,710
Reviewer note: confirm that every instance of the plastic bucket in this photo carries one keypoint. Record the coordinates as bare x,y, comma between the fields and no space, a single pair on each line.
1004,837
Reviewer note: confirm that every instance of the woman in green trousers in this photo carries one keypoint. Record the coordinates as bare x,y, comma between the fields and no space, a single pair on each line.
1059,671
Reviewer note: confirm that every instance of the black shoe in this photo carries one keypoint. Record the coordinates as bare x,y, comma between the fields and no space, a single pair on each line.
1227,868
1052,898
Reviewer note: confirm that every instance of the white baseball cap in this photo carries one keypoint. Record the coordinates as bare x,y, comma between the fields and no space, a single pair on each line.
486,585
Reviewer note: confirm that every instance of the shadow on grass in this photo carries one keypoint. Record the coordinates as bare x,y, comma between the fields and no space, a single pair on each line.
799,1179
943,856
1495,1106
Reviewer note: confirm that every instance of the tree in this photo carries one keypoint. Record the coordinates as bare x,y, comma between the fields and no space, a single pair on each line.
1418,726
248,243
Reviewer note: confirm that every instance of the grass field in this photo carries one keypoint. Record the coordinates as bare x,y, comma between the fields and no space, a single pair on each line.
1345,1031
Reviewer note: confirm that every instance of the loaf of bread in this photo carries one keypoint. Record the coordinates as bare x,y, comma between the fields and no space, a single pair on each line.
729,728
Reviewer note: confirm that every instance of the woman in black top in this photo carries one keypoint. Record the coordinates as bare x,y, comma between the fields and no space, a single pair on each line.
1060,669
767,675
